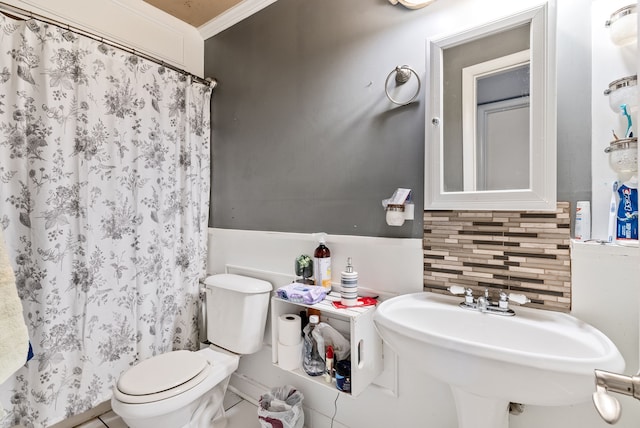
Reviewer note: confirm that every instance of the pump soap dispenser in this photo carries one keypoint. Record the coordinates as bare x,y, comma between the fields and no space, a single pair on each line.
349,285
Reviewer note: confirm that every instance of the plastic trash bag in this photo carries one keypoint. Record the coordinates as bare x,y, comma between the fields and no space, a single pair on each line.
281,408
326,335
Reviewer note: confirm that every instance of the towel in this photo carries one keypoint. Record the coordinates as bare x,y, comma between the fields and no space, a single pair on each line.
302,293
14,339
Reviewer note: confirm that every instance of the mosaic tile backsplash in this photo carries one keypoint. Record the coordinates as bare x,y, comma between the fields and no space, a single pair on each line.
525,252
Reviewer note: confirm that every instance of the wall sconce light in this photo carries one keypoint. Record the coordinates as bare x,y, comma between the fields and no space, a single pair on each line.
412,4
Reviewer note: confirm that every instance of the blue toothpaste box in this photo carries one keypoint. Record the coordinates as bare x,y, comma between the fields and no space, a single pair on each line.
627,228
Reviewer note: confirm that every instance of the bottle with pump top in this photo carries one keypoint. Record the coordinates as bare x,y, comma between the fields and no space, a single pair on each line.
312,362
322,262
349,285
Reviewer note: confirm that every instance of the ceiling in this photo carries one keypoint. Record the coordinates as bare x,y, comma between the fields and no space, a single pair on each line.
210,16
194,12
213,16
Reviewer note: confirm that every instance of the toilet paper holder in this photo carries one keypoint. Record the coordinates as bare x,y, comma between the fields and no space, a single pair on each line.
399,207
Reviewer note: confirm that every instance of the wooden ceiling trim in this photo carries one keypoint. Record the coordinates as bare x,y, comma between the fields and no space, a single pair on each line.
194,12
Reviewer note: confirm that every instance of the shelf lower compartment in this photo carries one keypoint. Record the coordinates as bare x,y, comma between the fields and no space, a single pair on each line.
316,379
355,324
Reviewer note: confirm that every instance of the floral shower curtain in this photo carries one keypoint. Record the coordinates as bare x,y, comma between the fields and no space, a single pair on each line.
104,184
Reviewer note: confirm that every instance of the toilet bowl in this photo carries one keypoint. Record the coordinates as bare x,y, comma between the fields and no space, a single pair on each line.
143,399
183,388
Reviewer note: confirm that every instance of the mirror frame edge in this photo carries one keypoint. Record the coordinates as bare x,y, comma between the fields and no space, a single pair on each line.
543,177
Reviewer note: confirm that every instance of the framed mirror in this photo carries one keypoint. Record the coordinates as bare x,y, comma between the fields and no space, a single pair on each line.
491,117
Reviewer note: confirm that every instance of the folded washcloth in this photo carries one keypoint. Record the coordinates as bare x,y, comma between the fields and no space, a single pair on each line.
302,293
14,341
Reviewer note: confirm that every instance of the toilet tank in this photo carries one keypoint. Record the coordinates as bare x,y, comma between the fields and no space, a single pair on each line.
237,309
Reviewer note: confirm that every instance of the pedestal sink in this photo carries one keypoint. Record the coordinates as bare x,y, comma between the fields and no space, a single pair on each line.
537,357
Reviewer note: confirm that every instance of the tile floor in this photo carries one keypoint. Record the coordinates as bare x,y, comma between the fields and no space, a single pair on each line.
240,413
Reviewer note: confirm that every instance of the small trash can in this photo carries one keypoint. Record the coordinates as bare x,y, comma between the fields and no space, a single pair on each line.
281,408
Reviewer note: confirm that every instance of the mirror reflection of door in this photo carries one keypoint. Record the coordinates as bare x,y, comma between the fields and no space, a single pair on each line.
501,131
455,155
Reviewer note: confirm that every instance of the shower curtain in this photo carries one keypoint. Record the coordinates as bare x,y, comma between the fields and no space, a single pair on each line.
104,187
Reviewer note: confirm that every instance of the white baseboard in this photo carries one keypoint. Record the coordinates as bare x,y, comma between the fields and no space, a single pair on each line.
247,388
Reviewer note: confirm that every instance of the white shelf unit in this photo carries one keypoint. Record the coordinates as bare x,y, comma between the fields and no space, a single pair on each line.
355,324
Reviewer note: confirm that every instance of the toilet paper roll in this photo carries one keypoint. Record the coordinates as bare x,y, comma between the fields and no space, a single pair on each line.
289,356
289,327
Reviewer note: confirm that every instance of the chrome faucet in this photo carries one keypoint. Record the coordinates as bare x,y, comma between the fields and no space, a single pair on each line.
485,304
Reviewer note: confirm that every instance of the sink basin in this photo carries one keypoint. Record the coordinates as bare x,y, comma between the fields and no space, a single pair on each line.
537,357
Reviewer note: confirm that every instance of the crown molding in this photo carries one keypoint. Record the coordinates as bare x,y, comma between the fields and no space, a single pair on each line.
232,16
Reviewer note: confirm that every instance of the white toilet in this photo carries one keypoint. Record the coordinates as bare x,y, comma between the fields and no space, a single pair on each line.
185,388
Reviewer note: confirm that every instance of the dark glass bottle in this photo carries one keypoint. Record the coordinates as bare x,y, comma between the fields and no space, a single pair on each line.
322,263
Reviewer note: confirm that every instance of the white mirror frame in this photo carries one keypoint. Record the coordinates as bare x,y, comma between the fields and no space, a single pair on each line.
543,152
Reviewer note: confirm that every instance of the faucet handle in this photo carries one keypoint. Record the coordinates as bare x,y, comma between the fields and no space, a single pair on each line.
503,303
456,289
468,296
520,299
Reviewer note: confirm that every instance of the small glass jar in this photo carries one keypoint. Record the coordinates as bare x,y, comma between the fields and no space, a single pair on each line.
623,156
623,91
343,375
395,215
623,25
304,269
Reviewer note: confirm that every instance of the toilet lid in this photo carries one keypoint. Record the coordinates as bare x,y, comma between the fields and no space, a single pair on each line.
161,373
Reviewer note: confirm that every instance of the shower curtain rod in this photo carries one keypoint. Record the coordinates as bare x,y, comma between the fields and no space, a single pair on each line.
19,13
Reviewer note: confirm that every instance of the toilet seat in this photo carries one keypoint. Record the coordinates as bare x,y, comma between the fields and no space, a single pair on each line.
162,377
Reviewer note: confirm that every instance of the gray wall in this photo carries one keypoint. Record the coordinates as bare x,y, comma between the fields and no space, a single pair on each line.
574,100
304,138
